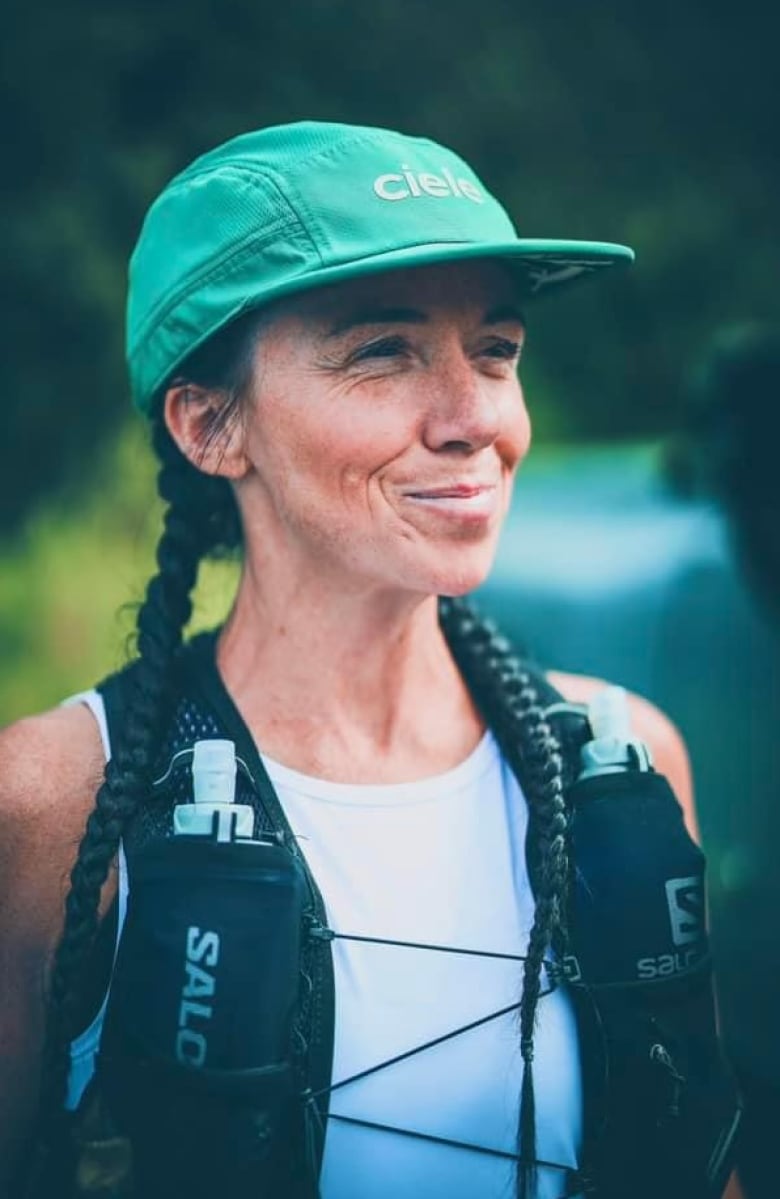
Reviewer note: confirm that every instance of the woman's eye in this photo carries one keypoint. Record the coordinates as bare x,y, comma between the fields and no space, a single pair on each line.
383,347
504,349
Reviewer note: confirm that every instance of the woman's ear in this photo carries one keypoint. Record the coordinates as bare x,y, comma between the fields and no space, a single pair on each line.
211,438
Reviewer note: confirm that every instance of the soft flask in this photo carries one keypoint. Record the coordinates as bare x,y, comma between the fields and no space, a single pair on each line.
195,1062
640,961
639,911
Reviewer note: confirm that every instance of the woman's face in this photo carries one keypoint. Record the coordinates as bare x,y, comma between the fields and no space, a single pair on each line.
384,428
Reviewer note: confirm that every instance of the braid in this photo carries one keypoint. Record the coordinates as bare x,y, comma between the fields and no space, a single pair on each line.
202,517
201,514
505,694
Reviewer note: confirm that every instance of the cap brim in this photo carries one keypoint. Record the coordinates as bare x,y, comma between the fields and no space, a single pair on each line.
541,264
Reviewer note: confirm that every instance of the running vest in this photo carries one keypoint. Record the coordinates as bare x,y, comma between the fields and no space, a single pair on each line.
438,861
660,1109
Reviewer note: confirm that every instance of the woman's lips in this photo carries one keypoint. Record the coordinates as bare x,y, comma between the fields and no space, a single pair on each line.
463,500
458,491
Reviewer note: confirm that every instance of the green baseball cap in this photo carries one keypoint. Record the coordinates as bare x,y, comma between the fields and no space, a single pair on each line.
298,206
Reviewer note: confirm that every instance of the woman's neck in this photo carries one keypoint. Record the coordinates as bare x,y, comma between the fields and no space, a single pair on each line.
356,689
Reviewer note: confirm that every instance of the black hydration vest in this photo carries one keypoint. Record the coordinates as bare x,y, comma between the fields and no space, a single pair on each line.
661,1111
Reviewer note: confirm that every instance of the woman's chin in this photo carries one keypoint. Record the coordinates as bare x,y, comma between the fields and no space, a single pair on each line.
454,590
427,569
461,574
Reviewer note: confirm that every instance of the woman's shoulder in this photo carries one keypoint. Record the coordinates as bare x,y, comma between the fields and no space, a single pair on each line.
651,725
47,761
51,765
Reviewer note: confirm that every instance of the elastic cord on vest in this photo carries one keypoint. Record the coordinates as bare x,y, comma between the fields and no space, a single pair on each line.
574,1181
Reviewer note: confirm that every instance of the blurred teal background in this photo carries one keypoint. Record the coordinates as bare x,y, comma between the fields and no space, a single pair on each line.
649,124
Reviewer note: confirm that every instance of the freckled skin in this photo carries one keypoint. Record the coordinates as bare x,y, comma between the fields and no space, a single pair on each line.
343,427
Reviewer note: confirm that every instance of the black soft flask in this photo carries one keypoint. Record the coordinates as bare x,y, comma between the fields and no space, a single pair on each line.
195,1060
639,949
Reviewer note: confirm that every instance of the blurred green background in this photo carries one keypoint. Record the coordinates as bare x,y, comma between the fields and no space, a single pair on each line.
653,124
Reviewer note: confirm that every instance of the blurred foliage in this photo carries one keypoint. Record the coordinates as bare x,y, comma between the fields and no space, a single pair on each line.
71,584
649,124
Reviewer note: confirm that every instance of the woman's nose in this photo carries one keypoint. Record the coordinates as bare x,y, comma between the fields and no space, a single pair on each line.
462,408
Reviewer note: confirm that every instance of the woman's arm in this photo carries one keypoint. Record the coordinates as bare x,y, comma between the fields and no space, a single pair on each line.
50,767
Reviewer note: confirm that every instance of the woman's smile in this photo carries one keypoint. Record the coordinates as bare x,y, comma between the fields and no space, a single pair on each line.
471,504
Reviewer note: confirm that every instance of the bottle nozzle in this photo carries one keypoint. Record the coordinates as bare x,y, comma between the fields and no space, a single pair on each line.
609,714
613,748
214,812
214,771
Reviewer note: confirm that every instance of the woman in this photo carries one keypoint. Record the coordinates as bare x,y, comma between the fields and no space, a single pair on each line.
324,327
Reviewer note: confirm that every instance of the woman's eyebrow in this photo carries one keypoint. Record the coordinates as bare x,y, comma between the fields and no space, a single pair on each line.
504,313
377,316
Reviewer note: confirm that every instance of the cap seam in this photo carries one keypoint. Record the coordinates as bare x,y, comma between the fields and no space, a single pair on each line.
220,270
246,163
269,232
250,176
250,170
214,270
285,185
324,152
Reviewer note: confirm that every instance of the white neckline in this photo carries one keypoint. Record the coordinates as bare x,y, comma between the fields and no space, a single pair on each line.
483,757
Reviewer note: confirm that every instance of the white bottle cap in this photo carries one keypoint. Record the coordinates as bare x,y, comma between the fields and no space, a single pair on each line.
609,714
214,771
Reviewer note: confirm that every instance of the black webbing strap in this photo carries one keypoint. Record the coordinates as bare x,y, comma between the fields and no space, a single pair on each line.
200,670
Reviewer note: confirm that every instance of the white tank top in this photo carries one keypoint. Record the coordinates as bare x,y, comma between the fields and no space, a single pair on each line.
439,861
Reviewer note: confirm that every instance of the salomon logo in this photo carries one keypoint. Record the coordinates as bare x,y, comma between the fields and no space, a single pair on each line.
408,185
685,901
667,964
685,897
199,984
